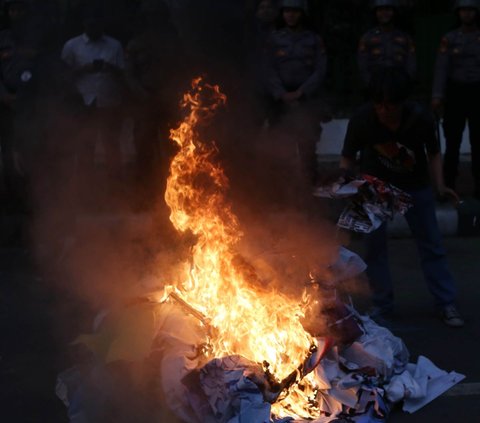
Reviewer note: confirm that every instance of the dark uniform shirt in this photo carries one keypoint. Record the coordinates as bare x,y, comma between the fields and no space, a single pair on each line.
296,60
153,57
458,60
379,48
16,63
398,157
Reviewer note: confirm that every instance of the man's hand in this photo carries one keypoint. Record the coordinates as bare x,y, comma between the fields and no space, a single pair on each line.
292,96
328,177
437,107
87,68
436,172
109,67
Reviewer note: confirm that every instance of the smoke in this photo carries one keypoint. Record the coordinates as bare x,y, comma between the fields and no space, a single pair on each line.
101,231
96,244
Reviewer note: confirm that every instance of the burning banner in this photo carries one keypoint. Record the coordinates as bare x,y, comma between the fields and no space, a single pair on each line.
216,347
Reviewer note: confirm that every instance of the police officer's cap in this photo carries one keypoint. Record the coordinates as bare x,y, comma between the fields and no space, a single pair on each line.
384,3
467,3
294,4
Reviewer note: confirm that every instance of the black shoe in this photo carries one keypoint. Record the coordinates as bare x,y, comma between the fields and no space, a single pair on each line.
452,317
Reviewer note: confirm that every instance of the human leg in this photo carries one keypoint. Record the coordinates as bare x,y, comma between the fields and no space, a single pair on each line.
146,139
474,128
110,123
453,126
86,141
423,223
84,135
10,178
378,270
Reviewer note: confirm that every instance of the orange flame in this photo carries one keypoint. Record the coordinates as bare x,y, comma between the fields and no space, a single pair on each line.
259,325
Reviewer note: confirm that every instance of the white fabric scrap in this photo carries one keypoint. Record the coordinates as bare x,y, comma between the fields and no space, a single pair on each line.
432,380
233,396
404,386
348,265
177,338
378,348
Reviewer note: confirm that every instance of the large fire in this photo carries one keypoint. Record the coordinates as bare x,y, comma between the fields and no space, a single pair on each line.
263,326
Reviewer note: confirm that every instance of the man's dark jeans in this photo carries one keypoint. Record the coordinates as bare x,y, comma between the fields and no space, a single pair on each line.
422,221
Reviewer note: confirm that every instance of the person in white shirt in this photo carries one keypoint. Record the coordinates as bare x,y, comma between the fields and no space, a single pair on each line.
98,63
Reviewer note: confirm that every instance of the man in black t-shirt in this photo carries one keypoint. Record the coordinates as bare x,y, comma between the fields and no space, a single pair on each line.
397,142
398,156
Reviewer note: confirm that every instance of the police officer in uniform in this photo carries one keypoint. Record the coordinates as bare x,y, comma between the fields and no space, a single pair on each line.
296,67
385,45
17,55
297,62
154,72
456,89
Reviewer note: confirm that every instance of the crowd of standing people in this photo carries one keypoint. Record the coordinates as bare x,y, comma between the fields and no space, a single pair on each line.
61,99
296,63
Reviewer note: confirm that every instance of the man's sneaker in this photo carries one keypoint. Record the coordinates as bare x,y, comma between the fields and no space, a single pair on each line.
452,317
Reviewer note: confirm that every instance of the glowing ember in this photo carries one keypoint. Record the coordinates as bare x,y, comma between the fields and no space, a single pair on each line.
261,326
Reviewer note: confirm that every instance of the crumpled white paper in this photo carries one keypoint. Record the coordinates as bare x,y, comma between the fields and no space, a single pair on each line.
378,348
361,380
432,382
348,265
373,202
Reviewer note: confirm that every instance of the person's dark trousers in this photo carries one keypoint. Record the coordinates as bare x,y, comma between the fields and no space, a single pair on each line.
422,221
154,150
99,125
461,104
146,139
104,125
6,145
